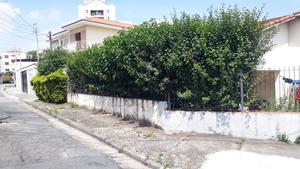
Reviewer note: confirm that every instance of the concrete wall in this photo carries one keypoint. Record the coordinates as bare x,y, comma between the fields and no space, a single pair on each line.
286,49
258,125
294,33
136,109
97,35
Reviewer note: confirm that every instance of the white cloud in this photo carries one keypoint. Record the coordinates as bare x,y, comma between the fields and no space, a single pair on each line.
34,15
52,14
7,16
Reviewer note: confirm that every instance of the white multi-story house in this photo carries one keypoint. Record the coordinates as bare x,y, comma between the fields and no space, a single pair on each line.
86,32
90,29
96,8
10,60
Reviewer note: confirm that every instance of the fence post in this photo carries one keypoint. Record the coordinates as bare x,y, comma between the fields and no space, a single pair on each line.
242,91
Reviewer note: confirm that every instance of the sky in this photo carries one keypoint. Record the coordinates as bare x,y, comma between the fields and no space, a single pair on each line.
16,32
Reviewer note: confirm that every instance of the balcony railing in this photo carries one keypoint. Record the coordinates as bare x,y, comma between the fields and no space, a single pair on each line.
78,45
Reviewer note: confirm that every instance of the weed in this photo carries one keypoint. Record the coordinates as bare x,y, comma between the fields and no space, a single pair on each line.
147,135
283,138
73,105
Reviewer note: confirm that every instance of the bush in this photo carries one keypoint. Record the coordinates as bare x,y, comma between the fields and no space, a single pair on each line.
195,60
51,88
297,141
7,77
52,61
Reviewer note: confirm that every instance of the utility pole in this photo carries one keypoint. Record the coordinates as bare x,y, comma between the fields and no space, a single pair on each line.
50,39
35,31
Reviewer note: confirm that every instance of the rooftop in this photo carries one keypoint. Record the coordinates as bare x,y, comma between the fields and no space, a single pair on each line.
103,22
282,19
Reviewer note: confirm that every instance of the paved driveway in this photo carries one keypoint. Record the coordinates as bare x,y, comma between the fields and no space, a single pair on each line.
28,141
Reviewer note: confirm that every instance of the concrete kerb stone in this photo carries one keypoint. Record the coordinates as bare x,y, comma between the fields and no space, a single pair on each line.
131,154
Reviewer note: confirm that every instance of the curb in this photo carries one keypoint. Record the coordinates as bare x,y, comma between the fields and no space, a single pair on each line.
70,123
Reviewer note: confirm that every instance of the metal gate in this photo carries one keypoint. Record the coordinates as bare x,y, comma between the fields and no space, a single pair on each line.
24,81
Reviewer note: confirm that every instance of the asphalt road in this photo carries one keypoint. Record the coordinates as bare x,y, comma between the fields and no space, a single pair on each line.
28,141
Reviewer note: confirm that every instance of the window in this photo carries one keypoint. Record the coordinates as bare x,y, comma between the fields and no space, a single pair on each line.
0,57
78,36
13,61
6,70
6,63
96,12
6,56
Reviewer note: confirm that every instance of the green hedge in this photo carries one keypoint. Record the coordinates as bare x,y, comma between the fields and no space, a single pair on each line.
51,88
194,60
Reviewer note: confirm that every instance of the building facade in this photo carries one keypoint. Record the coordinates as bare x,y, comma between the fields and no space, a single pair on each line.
96,8
84,33
10,60
24,75
97,21
282,62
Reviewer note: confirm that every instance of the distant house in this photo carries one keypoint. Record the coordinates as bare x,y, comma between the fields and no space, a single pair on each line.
86,32
283,61
8,60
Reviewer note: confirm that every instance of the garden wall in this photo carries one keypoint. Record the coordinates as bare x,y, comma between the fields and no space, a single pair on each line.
257,125
146,111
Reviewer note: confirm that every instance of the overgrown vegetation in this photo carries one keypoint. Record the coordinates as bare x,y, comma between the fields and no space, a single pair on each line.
196,60
51,88
52,60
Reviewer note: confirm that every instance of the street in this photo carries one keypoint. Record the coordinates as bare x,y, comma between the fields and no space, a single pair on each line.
28,141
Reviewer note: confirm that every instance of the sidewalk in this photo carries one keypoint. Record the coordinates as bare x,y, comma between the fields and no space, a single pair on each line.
154,146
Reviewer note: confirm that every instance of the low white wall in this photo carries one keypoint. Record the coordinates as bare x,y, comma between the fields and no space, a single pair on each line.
136,109
257,125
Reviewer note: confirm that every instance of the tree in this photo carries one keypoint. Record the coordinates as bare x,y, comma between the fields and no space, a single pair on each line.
52,61
32,55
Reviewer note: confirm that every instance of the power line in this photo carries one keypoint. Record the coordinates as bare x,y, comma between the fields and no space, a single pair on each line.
19,36
24,20
30,27
6,23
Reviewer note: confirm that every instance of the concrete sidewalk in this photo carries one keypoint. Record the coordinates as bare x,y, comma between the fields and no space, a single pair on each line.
154,146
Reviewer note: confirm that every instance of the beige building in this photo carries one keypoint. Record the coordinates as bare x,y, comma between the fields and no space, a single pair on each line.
86,32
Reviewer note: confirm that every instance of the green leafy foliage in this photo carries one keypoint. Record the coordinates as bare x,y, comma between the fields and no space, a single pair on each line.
52,61
51,88
33,54
297,141
284,138
196,60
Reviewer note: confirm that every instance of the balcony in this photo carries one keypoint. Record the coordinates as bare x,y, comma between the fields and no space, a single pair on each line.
78,45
